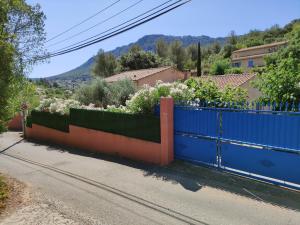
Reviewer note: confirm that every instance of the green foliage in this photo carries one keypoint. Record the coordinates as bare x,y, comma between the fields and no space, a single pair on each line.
208,91
234,70
146,127
279,82
21,39
120,91
105,64
21,91
162,48
137,59
95,93
27,35
236,95
146,98
51,120
178,54
219,66
102,94
29,121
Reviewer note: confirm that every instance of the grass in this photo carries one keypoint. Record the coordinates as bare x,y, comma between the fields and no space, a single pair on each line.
3,192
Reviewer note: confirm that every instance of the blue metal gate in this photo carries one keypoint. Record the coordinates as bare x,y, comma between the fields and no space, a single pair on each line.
255,143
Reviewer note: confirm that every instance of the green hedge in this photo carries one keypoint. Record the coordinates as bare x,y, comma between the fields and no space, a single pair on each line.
29,121
146,127
51,120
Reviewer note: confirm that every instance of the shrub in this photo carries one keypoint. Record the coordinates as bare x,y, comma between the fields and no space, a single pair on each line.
56,105
234,70
146,98
95,93
139,126
219,66
50,120
101,94
120,91
208,91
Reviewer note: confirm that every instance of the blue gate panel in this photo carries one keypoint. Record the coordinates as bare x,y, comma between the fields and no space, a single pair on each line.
195,149
273,164
195,121
277,130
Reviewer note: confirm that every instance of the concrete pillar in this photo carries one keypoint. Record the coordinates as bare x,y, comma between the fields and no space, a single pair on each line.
167,130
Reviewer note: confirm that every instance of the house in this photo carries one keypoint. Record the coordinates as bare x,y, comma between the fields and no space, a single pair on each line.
254,56
149,76
236,80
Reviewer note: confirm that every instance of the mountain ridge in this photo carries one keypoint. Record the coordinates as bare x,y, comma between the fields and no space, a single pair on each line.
147,43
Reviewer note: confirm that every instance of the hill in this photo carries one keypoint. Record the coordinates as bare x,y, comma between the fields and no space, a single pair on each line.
82,73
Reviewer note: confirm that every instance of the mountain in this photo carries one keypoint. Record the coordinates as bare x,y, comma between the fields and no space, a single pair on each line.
147,43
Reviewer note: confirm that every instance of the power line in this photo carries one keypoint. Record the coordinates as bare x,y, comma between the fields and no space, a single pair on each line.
98,35
97,24
85,20
123,29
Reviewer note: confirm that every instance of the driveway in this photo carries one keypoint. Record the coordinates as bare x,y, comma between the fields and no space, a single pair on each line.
71,187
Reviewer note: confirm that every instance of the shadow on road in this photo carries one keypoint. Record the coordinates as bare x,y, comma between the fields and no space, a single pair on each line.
193,178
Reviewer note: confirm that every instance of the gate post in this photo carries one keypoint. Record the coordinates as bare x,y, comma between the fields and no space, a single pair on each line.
167,130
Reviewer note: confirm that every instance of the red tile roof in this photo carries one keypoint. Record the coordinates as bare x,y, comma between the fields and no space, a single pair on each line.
233,80
136,74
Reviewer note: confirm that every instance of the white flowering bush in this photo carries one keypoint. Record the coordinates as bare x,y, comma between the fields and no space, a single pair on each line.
145,99
56,105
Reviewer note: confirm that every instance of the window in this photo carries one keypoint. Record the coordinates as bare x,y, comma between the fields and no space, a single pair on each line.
250,63
236,64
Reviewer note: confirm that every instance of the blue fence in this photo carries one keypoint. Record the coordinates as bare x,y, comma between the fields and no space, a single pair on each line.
257,142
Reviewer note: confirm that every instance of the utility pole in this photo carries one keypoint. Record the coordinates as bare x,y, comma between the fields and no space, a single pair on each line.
199,72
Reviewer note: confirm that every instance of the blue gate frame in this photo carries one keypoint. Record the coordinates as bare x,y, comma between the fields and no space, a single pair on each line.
260,144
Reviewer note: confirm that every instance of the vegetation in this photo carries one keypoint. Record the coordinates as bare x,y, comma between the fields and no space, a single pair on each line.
21,40
52,120
105,64
279,81
102,94
137,59
146,127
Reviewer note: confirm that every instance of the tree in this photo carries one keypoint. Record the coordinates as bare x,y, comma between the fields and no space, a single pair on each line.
105,64
139,59
27,35
192,52
219,66
21,39
162,48
178,54
281,78
6,64
199,69
216,48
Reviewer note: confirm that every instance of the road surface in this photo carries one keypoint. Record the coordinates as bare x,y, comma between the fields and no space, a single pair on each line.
70,187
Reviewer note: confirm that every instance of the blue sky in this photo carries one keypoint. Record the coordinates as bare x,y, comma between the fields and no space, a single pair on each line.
215,18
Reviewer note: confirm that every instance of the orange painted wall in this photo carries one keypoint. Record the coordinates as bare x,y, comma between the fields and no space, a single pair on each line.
16,123
113,144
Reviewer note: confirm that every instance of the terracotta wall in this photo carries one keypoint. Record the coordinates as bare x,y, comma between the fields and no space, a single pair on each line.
16,123
98,141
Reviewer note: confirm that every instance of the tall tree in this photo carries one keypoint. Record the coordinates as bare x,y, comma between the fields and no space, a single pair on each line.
21,39
26,28
135,60
199,72
162,48
178,54
105,64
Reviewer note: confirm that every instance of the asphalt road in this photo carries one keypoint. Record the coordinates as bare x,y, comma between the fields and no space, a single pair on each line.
95,189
